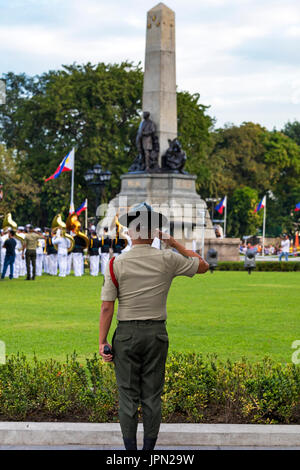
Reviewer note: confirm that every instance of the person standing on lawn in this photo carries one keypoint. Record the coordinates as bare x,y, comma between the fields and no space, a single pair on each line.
285,248
10,255
30,243
140,279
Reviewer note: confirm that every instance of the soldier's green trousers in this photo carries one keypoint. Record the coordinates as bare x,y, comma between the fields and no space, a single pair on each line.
140,351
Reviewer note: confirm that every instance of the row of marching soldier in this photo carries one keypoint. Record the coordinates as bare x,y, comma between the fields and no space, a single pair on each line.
55,252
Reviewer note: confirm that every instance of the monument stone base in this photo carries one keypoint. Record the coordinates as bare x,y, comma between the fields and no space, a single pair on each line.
227,248
174,194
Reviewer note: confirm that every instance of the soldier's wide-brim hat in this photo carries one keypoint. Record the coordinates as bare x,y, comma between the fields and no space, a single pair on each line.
144,215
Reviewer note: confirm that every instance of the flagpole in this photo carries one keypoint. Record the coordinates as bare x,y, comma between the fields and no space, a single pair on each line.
225,218
86,216
72,208
264,228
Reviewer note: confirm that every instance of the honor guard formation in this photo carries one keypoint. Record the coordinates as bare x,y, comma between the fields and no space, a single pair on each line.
29,252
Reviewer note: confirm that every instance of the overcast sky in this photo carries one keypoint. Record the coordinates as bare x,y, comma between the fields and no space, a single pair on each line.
242,56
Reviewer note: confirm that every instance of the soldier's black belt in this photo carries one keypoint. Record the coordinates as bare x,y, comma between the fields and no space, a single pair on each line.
140,322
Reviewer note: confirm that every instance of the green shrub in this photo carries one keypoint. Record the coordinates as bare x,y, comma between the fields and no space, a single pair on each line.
260,266
196,389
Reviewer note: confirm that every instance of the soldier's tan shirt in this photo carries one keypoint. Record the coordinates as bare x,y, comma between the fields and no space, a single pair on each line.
31,240
144,275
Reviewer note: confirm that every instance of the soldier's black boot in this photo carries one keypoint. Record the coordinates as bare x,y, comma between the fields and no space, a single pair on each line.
149,444
130,444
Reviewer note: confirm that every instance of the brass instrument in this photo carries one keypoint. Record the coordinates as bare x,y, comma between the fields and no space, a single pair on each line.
119,231
8,223
74,225
57,223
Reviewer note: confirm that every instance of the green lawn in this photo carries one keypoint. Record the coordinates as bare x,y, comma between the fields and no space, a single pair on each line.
230,314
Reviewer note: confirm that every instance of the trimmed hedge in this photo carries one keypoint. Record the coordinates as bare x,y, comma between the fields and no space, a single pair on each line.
196,390
260,266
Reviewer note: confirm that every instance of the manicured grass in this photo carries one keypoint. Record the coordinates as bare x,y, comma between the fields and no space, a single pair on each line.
230,314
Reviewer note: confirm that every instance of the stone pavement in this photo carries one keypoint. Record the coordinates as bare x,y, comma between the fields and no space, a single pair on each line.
158,448
172,436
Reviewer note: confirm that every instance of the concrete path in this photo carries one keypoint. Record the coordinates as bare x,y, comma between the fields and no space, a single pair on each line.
172,436
157,448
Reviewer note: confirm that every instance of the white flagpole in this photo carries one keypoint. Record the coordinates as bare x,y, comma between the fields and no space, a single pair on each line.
72,208
225,217
264,227
86,216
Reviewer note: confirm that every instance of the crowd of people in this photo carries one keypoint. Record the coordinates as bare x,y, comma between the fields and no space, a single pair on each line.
29,252
283,249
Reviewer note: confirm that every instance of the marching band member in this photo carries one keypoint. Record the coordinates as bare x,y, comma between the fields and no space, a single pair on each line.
18,258
78,256
51,255
94,254
39,254
105,248
22,264
62,252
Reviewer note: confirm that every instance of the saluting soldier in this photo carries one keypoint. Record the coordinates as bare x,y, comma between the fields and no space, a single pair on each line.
105,245
94,246
140,279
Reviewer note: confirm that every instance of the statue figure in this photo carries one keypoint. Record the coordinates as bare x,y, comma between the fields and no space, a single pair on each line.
147,145
174,158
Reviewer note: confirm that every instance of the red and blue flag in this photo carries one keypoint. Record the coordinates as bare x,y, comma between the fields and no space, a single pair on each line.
82,208
67,164
221,205
261,204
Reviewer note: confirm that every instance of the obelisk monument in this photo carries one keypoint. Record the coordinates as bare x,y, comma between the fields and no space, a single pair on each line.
159,93
157,174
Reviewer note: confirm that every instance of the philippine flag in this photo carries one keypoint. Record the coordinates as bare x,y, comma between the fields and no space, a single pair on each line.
221,205
82,208
66,165
297,208
261,205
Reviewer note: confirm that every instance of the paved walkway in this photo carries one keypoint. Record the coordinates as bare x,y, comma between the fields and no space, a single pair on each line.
172,436
158,448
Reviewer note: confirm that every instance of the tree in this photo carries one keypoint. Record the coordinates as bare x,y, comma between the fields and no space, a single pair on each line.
92,107
292,130
194,127
242,220
97,109
269,162
20,192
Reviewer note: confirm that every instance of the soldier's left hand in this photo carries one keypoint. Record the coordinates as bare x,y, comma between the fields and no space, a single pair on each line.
105,357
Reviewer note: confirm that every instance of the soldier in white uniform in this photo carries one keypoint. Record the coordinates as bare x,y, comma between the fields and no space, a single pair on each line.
77,256
63,244
39,254
3,237
18,259
94,246
22,267
105,249
51,255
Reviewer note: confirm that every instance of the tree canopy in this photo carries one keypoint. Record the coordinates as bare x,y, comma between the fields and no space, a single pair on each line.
97,109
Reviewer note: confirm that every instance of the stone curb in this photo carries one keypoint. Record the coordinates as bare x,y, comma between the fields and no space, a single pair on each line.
54,434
